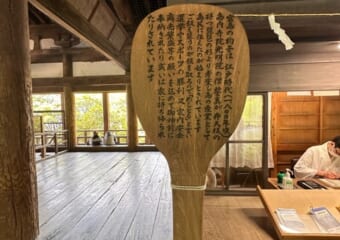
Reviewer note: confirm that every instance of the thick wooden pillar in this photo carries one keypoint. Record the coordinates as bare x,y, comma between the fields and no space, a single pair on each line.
69,101
132,121
18,189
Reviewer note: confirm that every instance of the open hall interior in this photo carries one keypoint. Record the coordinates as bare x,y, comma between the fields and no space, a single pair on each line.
126,195
65,72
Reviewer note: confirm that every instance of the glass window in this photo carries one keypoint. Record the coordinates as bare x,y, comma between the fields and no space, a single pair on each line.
48,113
250,126
45,102
89,116
242,170
118,116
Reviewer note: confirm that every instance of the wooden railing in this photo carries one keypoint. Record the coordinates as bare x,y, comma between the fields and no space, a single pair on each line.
51,141
84,136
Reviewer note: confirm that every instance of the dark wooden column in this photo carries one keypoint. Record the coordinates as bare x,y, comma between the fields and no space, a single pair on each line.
70,115
132,121
106,111
18,183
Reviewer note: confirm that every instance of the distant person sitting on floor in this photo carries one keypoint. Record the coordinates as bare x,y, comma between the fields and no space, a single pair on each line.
320,161
96,140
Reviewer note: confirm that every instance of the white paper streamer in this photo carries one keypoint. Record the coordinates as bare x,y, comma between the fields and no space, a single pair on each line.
283,37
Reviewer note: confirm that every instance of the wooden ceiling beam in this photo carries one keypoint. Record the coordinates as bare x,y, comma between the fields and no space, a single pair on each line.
59,89
109,88
299,29
269,7
303,52
124,12
91,81
56,55
317,20
43,90
90,30
46,30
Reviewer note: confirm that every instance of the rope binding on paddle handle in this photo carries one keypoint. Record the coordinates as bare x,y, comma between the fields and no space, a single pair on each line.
188,188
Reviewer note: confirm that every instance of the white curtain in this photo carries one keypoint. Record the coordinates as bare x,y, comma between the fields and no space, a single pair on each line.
250,128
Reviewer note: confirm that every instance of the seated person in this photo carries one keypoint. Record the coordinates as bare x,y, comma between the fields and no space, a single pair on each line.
96,140
320,161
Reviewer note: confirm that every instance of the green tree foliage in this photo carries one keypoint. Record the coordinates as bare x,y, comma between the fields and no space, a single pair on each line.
44,109
89,111
118,111
45,102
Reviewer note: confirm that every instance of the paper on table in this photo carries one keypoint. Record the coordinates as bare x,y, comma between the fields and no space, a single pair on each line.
290,221
325,220
334,183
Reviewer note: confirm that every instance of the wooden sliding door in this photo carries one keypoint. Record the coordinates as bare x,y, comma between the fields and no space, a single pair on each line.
299,122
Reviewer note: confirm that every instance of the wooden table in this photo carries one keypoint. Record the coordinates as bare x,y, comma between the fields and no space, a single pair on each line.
301,200
273,183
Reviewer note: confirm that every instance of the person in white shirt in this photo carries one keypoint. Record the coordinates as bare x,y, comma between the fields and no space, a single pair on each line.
320,161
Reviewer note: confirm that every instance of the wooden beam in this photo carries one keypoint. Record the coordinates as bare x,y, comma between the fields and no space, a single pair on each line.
317,20
69,101
110,88
56,55
46,30
125,13
307,66
81,81
269,7
299,28
67,65
106,110
52,89
60,89
132,121
60,35
294,77
70,116
66,15
264,77
303,52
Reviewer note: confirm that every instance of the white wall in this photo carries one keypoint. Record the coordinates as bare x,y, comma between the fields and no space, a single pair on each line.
102,68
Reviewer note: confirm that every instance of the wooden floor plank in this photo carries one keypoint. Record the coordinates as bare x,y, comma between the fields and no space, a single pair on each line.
67,164
63,222
46,169
51,203
117,196
117,226
163,224
91,224
140,228
78,180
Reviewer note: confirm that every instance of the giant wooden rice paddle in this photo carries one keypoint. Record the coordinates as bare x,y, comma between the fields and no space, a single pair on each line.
189,80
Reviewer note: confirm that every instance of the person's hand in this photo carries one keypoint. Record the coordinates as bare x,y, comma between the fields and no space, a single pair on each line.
327,174
331,175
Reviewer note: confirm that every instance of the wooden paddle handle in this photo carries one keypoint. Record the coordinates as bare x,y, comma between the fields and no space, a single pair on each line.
187,210
187,195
